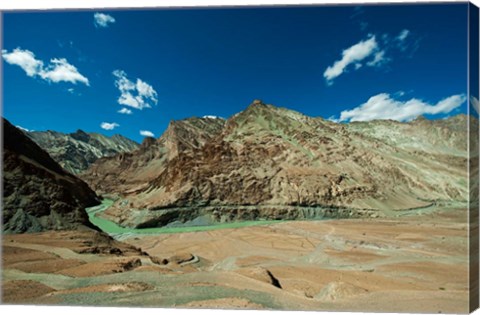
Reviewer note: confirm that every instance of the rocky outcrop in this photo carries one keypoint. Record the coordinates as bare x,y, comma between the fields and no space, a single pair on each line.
76,151
38,194
261,274
268,162
132,171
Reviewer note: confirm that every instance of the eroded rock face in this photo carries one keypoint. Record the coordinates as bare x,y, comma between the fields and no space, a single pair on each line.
132,171
38,194
273,158
76,151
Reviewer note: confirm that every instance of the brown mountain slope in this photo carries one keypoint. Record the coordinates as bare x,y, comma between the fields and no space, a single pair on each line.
37,193
131,171
269,162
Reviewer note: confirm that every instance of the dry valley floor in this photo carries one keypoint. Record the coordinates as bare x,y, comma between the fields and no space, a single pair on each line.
397,264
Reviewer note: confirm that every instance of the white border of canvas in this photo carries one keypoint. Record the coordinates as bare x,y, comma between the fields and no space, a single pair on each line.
90,4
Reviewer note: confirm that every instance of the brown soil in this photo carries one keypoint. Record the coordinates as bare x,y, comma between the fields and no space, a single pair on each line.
408,264
113,287
102,267
228,303
23,291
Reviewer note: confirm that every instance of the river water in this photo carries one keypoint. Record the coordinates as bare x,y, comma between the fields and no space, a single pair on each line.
114,229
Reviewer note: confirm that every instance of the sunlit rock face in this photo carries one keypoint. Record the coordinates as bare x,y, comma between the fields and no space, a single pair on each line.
275,160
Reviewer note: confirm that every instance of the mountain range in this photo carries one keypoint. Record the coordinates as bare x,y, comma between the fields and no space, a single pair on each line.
76,151
268,162
265,162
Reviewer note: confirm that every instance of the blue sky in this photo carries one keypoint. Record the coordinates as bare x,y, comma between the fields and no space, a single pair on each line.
71,70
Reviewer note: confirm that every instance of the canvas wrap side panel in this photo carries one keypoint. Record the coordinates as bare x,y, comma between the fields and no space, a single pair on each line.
473,81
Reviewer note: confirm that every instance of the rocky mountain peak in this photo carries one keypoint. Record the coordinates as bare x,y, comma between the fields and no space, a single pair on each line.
190,133
260,120
420,118
76,151
257,102
80,135
147,141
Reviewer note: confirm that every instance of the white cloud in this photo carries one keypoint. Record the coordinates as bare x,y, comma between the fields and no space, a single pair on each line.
25,59
378,60
138,95
212,117
369,52
403,35
145,90
23,129
383,106
58,70
102,20
146,133
475,103
352,55
401,40
109,126
334,119
125,111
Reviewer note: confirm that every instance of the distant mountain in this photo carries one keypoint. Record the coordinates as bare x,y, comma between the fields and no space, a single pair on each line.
443,136
76,151
38,194
274,163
